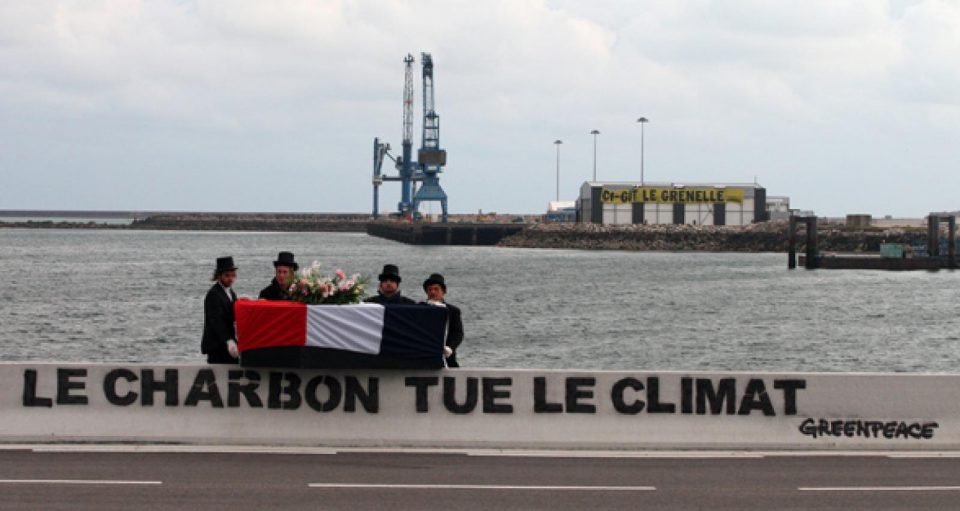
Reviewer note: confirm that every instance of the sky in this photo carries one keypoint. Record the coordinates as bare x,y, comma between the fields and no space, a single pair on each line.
249,105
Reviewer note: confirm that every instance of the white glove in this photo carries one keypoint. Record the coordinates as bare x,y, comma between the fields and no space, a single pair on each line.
232,348
447,352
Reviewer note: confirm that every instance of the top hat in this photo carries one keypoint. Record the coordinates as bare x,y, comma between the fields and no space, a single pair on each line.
390,272
286,259
225,264
435,278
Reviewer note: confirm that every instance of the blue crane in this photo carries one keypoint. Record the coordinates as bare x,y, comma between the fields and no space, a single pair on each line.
430,158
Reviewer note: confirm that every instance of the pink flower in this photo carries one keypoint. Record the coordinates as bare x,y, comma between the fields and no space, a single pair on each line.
341,275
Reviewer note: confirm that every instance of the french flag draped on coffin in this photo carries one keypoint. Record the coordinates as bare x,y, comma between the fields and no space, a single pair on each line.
292,334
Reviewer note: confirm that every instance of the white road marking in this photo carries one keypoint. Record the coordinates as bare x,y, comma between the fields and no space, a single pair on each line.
210,449
616,454
923,455
77,481
375,486
551,453
881,488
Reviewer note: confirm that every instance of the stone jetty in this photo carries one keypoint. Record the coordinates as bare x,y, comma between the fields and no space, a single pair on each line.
760,237
286,222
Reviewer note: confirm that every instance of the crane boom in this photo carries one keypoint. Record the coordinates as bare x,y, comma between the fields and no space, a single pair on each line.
405,166
430,157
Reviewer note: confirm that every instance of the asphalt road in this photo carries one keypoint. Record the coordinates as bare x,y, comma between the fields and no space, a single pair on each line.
359,480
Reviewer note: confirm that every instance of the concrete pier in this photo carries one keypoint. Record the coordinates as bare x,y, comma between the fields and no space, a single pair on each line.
872,262
443,233
813,259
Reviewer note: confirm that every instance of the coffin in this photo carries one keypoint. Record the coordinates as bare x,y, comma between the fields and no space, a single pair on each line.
362,336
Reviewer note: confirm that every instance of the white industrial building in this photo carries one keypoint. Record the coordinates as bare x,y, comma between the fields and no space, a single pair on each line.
561,211
671,203
778,208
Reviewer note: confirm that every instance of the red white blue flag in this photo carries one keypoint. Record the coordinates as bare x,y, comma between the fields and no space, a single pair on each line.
396,331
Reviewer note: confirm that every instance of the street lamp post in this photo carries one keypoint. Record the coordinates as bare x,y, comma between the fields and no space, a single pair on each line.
642,121
557,143
594,133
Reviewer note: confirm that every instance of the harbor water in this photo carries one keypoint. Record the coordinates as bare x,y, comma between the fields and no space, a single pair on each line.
136,296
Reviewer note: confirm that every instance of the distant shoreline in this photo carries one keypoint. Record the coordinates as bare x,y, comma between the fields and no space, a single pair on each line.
286,222
214,221
761,237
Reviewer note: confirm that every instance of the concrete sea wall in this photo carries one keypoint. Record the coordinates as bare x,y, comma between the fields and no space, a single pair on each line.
492,408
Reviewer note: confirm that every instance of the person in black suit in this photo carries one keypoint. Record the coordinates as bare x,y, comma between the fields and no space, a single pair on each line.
219,341
389,290
436,288
283,269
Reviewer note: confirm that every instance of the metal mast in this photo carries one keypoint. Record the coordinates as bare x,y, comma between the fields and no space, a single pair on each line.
406,166
380,150
430,157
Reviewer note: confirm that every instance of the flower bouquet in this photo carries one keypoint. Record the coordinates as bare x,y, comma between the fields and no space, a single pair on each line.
311,286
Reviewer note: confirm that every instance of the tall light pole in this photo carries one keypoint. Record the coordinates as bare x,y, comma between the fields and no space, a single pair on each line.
557,143
642,121
594,133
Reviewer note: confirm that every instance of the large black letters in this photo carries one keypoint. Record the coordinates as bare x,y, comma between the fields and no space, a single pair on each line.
110,387
204,388
540,403
278,390
369,399
30,391
619,402
169,387
66,384
422,383
248,390
756,398
576,392
334,393
491,393
450,393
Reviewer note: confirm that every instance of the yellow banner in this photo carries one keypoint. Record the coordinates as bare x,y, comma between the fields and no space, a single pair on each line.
671,195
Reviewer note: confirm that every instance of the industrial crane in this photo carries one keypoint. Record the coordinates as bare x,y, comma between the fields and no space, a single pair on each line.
430,158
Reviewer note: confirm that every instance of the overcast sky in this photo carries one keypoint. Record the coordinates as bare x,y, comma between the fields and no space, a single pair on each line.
845,106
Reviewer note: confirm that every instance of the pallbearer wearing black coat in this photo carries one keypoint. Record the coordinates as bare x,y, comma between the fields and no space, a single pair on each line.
454,333
218,318
283,269
273,292
389,290
436,288
394,299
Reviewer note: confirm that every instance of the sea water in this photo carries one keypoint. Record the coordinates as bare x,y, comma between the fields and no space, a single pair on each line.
137,296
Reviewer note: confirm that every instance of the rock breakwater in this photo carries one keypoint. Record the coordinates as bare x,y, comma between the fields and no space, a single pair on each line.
286,222
760,237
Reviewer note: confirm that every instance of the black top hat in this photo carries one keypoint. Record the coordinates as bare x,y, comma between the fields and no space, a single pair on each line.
286,259
435,278
225,264
390,272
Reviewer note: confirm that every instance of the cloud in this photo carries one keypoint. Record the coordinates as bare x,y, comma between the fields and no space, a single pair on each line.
186,95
